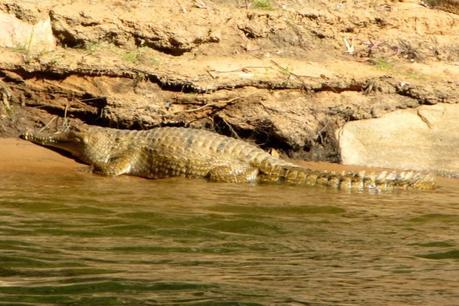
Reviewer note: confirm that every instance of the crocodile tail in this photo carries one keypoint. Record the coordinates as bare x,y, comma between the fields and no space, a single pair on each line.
356,181
381,181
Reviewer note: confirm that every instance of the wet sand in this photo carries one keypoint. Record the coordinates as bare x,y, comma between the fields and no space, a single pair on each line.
17,155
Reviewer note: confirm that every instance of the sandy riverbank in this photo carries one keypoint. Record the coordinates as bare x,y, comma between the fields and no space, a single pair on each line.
20,155
17,155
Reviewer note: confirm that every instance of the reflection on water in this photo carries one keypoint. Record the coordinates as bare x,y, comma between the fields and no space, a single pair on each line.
88,240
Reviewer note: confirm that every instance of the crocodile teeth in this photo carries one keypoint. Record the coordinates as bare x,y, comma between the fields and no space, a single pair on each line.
381,176
428,178
391,176
406,176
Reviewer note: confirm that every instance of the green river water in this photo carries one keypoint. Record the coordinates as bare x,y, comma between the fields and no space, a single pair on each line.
81,239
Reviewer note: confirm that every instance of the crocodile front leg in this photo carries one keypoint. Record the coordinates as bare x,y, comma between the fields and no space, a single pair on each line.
117,165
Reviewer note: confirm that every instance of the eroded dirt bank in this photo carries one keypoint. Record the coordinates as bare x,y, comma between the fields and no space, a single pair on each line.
284,74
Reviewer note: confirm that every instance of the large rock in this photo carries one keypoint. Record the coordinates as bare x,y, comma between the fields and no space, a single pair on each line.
18,34
426,138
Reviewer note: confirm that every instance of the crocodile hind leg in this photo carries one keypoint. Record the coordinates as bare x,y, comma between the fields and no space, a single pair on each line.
234,173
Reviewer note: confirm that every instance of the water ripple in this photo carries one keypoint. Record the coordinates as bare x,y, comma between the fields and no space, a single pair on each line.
87,240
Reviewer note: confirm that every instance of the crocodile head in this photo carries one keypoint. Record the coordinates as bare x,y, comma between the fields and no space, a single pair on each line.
74,140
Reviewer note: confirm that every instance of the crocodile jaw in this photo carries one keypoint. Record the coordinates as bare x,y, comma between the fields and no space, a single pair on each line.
72,141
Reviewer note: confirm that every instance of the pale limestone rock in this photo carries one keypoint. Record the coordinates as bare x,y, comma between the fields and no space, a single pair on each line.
426,138
36,37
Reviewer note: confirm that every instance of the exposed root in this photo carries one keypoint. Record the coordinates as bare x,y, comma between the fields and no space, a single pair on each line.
47,124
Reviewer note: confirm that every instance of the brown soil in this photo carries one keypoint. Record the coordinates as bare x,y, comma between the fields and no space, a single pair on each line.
283,74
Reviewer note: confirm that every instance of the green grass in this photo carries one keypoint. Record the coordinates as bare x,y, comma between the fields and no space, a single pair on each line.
262,4
139,56
131,56
91,47
383,64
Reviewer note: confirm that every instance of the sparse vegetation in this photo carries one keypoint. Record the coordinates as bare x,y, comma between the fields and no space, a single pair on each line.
139,56
91,47
285,71
262,4
25,48
407,50
383,64
131,56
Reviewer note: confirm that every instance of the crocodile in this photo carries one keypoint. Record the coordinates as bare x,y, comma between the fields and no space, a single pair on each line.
451,6
194,153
